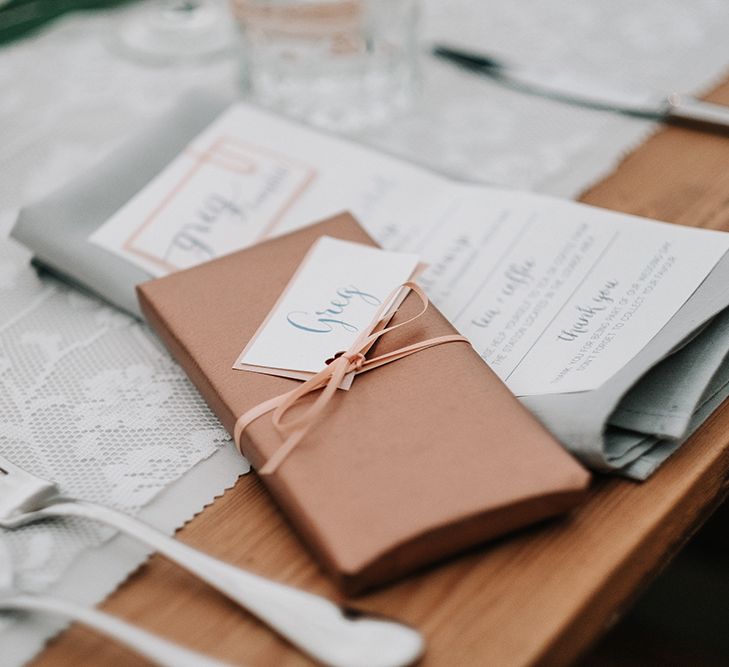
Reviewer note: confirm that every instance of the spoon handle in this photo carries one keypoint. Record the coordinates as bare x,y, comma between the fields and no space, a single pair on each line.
156,649
312,623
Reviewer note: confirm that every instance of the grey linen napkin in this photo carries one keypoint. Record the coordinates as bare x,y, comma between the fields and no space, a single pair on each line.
57,228
639,417
629,426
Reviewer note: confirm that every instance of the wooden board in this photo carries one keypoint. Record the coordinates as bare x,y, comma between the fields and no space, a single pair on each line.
542,596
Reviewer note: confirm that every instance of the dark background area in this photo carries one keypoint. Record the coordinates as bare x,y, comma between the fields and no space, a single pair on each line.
682,619
19,17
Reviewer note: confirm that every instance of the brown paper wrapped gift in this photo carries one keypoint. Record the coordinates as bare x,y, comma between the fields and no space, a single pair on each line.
419,459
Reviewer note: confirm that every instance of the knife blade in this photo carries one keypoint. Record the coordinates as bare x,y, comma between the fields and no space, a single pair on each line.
571,88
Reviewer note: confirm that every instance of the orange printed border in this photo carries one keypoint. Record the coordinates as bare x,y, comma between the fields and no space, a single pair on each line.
215,154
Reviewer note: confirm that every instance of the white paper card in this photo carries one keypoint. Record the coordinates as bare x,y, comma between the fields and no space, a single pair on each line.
330,300
555,296
219,195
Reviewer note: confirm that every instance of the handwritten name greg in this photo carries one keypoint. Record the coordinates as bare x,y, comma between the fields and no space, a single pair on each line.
194,237
331,317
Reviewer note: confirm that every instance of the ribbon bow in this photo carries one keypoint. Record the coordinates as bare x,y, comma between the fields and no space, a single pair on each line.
330,377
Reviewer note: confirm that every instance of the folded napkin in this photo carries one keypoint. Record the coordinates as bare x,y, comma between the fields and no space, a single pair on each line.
77,209
633,422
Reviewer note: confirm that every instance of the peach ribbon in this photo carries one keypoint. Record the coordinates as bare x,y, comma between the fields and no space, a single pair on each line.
330,377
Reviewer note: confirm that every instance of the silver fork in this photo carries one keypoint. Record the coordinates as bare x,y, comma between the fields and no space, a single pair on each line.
156,649
331,634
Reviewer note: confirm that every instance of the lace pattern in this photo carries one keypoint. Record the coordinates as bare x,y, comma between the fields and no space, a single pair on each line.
88,396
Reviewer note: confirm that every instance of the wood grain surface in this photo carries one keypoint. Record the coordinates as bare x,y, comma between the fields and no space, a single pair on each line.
540,597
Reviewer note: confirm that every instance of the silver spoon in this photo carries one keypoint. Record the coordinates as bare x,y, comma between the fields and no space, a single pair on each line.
156,649
333,635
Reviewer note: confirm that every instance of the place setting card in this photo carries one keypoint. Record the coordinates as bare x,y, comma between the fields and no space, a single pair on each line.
331,298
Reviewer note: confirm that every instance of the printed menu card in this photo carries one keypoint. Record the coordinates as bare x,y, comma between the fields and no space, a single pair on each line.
556,296
570,305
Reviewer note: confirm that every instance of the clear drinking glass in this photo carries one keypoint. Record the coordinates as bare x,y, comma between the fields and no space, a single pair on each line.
339,64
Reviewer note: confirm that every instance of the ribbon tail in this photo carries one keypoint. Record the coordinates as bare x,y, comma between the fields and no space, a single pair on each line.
279,456
284,449
254,413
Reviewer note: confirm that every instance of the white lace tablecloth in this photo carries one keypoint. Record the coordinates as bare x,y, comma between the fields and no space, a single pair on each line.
88,397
